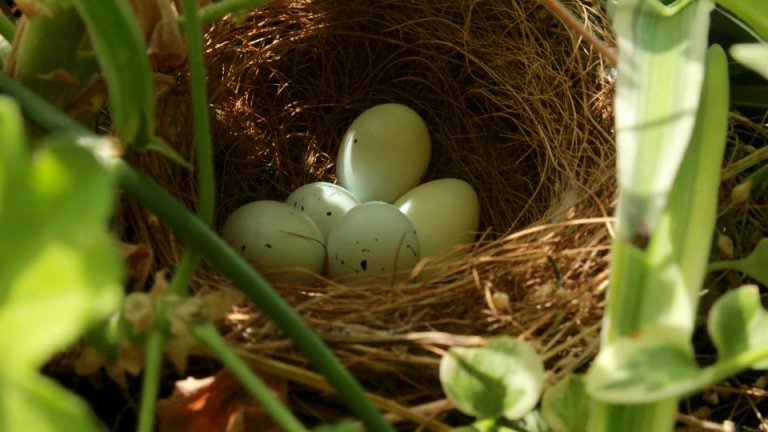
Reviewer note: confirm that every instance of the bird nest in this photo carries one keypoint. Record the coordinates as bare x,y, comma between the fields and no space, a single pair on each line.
516,105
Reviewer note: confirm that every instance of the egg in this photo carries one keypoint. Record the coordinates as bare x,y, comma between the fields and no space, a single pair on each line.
445,213
384,153
272,235
323,202
373,239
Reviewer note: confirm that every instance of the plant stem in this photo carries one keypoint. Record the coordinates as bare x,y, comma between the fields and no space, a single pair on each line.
150,385
7,28
209,335
217,11
201,120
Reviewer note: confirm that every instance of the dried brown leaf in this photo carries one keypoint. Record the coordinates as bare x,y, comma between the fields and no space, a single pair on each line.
216,404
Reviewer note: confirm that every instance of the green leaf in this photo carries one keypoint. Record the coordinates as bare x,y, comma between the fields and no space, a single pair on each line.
752,55
565,405
754,13
503,378
660,70
35,403
652,365
738,323
59,261
755,265
120,47
679,249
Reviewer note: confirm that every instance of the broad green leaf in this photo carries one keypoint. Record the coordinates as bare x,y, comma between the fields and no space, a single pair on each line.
754,13
738,323
651,365
565,405
679,249
31,402
661,284
752,55
60,271
121,51
503,378
660,73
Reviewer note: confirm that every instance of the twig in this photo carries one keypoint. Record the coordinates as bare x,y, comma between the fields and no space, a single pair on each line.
570,20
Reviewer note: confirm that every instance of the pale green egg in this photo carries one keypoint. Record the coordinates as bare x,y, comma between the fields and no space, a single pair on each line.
384,153
272,235
445,213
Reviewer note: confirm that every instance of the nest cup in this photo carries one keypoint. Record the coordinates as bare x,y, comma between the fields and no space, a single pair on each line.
515,104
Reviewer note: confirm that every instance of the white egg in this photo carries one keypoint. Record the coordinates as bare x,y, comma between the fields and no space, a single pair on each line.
272,235
372,239
384,153
324,202
445,213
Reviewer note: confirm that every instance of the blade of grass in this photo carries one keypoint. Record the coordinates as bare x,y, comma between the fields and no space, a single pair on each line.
217,11
7,28
121,51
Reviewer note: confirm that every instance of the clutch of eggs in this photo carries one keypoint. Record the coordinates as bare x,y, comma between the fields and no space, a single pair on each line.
376,223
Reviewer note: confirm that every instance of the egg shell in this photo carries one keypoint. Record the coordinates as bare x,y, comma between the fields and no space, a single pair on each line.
324,202
384,153
273,235
445,213
372,239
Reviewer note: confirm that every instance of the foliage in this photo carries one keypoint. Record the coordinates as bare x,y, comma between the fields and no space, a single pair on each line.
60,274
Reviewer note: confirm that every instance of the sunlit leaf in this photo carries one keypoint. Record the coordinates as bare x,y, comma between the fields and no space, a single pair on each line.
752,55
661,70
31,402
738,323
652,365
565,405
503,378
754,13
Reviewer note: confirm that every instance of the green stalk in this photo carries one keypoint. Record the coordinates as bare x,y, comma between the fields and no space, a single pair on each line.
204,147
216,11
150,385
660,286
7,28
206,201
208,334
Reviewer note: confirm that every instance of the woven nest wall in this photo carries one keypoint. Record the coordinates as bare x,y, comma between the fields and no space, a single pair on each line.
516,106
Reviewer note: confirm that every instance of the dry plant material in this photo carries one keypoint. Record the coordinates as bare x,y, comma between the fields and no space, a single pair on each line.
217,404
516,106
138,259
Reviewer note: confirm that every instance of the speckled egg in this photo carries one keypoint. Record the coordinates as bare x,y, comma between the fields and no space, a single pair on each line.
373,239
273,235
384,153
324,202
